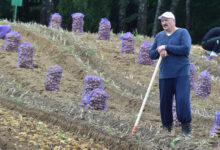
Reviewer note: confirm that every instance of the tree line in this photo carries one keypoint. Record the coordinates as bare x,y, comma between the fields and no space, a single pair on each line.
136,16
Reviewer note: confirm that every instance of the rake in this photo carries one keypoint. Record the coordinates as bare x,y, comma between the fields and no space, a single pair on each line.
146,97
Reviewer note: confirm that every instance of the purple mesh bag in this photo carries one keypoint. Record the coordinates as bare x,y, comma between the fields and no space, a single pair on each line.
204,84
127,43
104,29
12,41
90,83
4,29
216,126
192,76
55,21
78,22
96,99
175,119
144,58
207,58
53,78
25,56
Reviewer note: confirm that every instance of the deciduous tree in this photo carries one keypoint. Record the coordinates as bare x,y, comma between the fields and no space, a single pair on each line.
142,17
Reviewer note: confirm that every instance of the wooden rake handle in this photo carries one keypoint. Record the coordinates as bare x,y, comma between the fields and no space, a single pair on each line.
146,97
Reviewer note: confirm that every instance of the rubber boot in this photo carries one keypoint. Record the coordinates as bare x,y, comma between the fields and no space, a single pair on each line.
169,128
186,129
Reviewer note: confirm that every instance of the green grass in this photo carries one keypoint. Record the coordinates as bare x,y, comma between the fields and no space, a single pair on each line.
62,137
174,141
18,100
137,35
91,52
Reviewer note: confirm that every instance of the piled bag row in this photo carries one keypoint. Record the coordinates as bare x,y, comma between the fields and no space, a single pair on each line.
203,88
55,21
144,58
12,41
127,43
25,59
93,95
53,78
215,130
175,119
104,29
25,56
4,29
78,22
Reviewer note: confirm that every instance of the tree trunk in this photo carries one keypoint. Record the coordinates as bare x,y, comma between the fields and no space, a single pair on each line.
188,14
24,12
174,5
142,17
160,5
47,8
122,14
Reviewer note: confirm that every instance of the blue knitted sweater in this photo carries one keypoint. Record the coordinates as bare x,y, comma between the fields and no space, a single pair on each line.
178,47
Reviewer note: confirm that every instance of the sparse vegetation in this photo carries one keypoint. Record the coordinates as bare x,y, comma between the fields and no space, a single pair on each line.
127,83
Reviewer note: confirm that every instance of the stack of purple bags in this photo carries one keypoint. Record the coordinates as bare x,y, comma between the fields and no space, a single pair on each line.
144,58
4,29
175,119
127,43
90,83
53,78
25,56
55,21
96,99
204,84
12,41
215,131
93,94
78,22
104,29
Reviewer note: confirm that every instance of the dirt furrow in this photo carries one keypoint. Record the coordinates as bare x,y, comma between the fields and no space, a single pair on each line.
115,123
20,131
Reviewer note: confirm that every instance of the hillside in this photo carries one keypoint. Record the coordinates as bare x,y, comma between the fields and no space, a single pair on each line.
125,81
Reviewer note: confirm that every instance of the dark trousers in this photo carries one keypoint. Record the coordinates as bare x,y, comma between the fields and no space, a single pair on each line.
180,87
212,44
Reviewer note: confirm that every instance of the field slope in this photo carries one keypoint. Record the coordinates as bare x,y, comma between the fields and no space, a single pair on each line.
125,81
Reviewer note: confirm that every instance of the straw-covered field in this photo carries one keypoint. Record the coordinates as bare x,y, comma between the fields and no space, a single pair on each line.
125,81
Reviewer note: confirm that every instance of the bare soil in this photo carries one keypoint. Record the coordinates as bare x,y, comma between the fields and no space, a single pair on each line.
19,131
125,81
